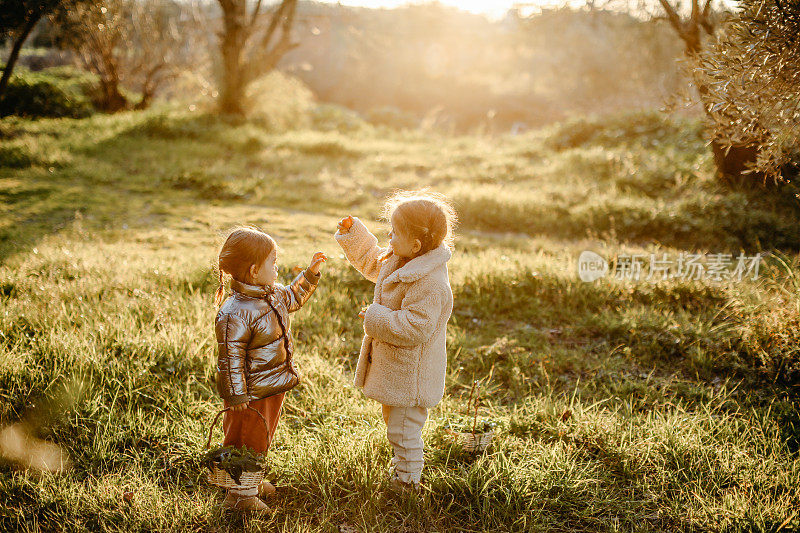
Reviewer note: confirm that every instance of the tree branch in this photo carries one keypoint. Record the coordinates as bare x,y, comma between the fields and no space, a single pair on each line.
264,57
706,21
672,15
255,14
707,9
273,24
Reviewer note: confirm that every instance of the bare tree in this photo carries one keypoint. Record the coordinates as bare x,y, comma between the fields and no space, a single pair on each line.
249,49
132,43
158,34
98,33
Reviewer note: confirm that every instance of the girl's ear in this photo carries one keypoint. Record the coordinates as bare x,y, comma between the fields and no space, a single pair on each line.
253,271
417,246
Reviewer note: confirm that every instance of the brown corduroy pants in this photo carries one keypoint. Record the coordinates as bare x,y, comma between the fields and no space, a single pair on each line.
245,428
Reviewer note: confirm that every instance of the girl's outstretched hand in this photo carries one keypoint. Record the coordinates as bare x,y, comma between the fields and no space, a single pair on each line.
345,224
240,406
316,262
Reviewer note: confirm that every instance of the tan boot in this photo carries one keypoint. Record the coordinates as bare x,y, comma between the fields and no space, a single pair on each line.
233,502
266,489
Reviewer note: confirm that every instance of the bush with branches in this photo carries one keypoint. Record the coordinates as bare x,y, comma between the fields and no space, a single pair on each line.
753,75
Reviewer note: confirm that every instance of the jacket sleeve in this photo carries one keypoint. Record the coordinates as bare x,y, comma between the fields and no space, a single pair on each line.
299,291
233,336
362,250
413,324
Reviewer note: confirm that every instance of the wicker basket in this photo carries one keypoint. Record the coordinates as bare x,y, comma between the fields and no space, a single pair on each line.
219,477
247,480
473,442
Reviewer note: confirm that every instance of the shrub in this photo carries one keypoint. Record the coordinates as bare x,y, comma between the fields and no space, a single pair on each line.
208,186
16,156
167,126
328,149
330,117
280,102
649,128
7,131
392,117
56,92
753,75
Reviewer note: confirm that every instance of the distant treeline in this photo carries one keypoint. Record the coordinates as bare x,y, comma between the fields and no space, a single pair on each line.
438,66
452,67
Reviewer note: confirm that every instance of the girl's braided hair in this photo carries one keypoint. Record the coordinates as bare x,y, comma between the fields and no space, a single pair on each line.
244,247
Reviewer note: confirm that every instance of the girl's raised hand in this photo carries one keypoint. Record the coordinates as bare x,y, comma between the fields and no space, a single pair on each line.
316,262
240,406
345,224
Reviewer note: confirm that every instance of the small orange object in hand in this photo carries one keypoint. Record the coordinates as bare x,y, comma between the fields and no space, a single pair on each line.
345,224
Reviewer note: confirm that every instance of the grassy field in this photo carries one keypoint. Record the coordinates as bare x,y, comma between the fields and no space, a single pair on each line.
620,406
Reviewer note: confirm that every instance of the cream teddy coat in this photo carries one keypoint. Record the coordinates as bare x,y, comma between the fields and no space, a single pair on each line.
403,355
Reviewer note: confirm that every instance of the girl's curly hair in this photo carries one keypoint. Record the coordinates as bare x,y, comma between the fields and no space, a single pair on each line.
424,215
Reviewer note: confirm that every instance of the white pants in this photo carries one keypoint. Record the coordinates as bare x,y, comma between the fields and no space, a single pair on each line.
404,431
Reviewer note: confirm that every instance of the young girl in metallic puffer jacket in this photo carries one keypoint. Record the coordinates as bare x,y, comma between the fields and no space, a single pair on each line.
255,367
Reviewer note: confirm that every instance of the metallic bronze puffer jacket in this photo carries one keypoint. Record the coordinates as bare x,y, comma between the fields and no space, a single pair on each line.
255,361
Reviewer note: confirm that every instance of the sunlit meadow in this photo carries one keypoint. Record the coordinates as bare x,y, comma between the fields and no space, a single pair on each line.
620,405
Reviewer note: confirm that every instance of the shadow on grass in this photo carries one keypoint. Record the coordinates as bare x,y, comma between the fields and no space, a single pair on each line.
727,221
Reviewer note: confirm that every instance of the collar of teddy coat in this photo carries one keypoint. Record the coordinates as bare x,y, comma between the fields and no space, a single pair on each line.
253,291
421,266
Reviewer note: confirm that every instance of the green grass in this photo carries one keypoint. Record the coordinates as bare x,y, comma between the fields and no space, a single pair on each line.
621,406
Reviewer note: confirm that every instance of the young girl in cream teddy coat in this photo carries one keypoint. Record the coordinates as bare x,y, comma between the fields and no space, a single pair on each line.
403,355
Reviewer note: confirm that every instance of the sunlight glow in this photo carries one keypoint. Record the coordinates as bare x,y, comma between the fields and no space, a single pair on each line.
492,8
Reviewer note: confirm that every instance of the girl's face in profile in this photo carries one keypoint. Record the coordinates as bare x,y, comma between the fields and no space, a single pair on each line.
402,245
267,272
